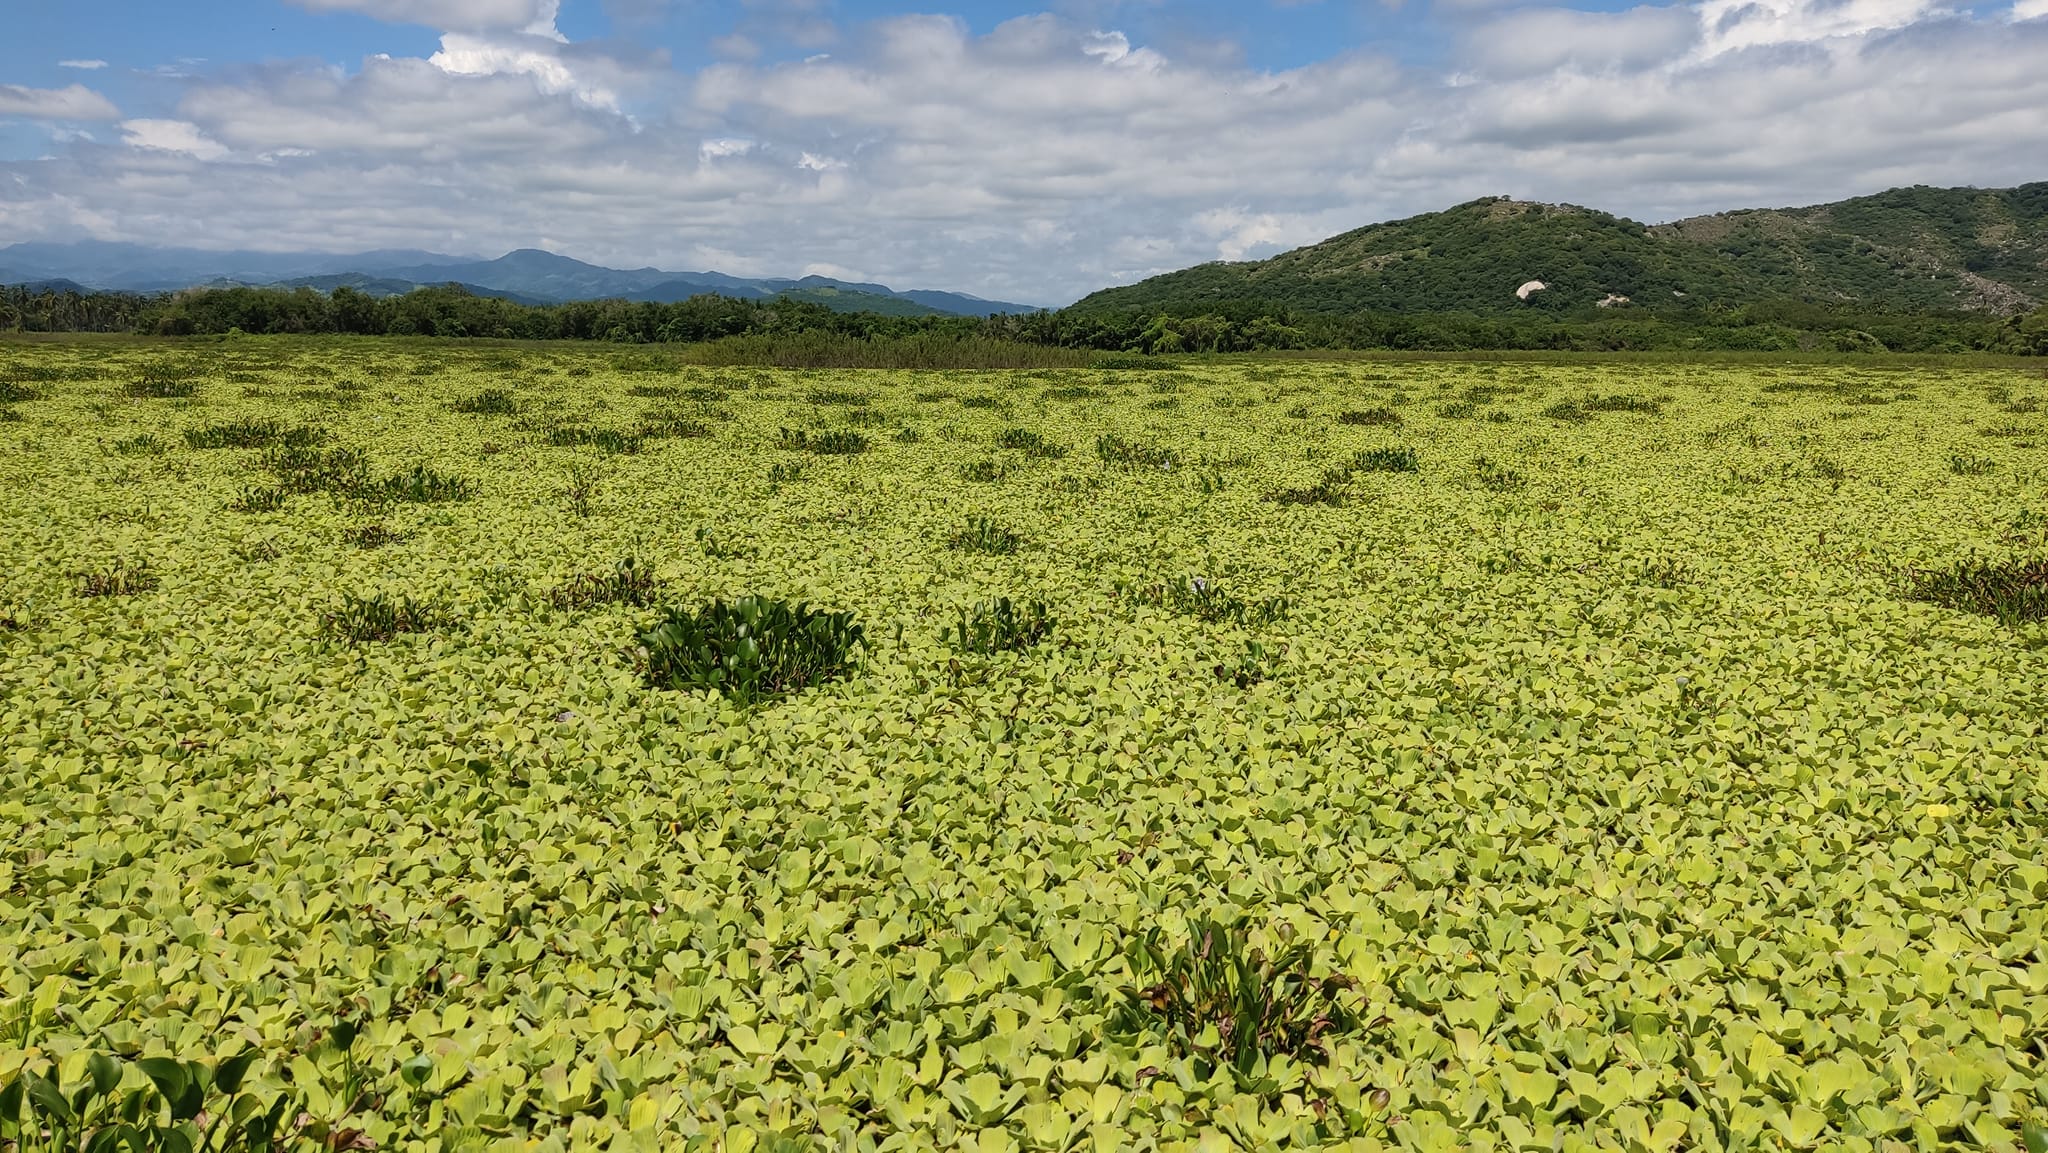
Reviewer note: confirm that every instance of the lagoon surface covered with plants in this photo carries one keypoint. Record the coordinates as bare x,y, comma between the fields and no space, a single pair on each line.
430,747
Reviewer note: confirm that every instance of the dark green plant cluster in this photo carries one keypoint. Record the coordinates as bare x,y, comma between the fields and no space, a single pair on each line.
10,415
1381,417
831,442
1030,443
672,426
1120,452
300,469
2012,592
141,444
1000,626
980,400
1333,490
119,578
489,402
381,617
1252,668
630,582
1496,477
1666,572
1222,1000
179,1107
984,471
604,439
250,432
1206,599
750,650
1384,460
258,498
160,382
1965,464
846,397
421,484
373,536
985,537
12,391
1615,402
908,435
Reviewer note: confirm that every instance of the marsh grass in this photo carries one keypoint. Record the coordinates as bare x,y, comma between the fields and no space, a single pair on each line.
2011,592
628,582
382,617
1001,625
118,578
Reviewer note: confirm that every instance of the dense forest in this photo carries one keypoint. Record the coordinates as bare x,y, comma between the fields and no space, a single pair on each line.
1232,326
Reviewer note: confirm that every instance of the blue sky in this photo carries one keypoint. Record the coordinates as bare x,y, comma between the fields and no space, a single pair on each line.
1028,151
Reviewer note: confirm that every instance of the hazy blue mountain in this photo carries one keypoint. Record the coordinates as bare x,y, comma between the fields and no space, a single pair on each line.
529,274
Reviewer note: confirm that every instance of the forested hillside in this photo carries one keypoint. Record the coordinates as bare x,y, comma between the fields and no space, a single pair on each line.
1915,250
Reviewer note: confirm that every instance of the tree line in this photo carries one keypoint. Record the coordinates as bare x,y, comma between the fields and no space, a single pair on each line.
1221,328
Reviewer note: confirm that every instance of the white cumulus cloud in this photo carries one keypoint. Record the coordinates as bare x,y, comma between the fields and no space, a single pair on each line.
536,16
83,65
171,136
73,102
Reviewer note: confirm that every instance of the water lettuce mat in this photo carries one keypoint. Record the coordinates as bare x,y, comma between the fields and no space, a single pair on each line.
1590,756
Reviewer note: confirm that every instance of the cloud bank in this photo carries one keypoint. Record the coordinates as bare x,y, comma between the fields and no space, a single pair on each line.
1046,157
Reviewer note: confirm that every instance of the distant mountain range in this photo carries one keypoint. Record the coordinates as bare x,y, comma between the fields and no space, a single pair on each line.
1914,249
530,276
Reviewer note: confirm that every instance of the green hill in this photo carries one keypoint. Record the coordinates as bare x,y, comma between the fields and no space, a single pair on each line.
1911,249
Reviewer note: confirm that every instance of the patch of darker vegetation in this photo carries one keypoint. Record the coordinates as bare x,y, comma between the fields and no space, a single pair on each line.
119,578
750,650
1381,417
2012,592
984,537
249,432
161,382
1221,1001
831,442
489,402
609,440
672,426
1030,443
1000,626
1206,600
1119,452
382,617
629,582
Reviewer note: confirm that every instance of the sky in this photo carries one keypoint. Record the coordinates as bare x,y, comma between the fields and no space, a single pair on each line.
1030,152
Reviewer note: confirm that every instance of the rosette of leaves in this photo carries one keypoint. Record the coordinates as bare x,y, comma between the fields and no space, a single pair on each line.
381,617
119,578
1001,626
984,537
178,1107
749,650
1220,998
